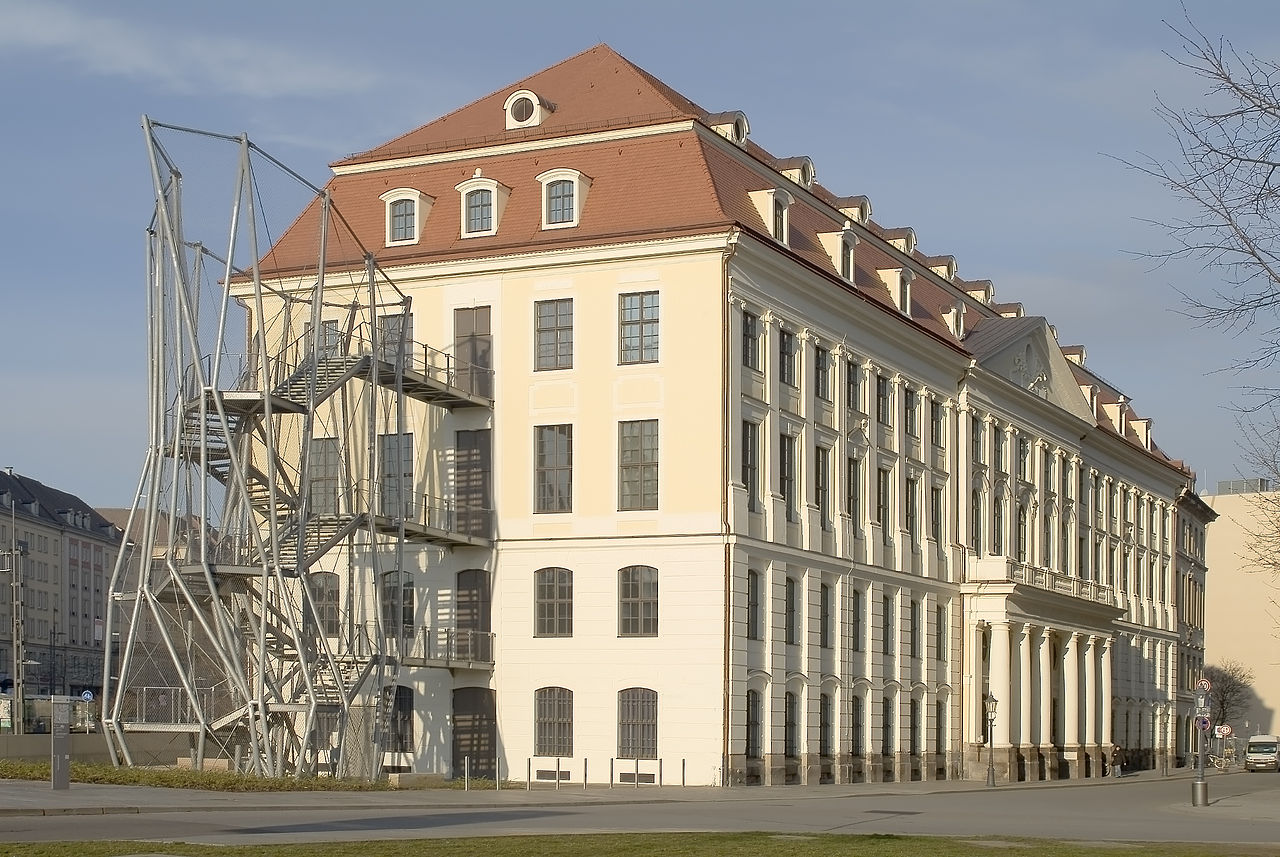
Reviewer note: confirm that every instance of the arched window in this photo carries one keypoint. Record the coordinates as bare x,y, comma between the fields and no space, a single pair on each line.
479,211
791,725
553,721
324,599
560,201
637,723
975,522
402,220
397,604
755,722
553,602
399,734
638,602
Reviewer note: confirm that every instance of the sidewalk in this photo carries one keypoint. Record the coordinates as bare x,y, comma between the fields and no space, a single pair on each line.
29,797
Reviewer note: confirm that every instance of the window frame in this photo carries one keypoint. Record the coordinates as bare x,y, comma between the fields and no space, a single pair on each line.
787,477
751,340
822,484
579,186
638,601
755,618
498,194
421,208
822,373
553,479
884,401
937,424
558,336
788,358
636,327
642,471
553,602
791,614
751,464
637,730
553,735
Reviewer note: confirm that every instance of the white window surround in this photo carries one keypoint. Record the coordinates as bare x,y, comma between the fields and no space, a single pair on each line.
581,184
522,102
421,208
833,243
481,182
764,201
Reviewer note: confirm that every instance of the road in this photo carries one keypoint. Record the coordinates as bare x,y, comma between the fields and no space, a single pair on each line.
1244,808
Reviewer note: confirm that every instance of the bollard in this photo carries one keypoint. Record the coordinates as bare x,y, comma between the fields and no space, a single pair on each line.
528,774
682,764
497,773
610,772
466,773
637,773
557,773
1199,793
659,772
584,773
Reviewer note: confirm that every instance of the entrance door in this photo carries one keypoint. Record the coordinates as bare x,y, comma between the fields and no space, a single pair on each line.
475,732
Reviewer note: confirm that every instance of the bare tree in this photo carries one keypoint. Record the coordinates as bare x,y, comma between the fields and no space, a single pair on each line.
1231,686
1227,170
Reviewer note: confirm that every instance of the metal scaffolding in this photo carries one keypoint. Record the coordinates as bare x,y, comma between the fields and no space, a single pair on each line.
251,611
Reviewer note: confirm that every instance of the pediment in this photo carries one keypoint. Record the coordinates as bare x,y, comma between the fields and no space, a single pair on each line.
1024,352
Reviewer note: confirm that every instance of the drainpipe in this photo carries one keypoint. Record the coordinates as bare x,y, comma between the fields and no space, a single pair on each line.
726,527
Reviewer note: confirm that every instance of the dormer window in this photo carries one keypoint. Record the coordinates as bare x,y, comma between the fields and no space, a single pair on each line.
407,208
483,200
774,205
564,192
525,109
846,259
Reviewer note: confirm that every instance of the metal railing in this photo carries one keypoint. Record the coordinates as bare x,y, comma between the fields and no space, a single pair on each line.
1002,570
459,645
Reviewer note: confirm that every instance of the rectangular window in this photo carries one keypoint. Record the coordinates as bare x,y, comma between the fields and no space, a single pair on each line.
886,726
560,201
859,726
791,725
787,474
779,220
846,259
913,510
395,456
822,373
750,340
915,727
915,629
937,425
976,445
553,722
886,626
473,349
402,220
822,485
751,463
555,468
939,727
638,601
754,623
637,465
853,385
911,412
882,499
792,607
553,332
755,719
884,401
824,616
1024,459
935,515
787,358
855,619
1046,472
479,211
853,491
638,328
997,448
940,632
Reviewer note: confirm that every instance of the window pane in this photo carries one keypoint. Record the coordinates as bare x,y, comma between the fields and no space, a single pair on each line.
637,465
553,721
638,327
402,220
554,461
637,723
479,211
638,601
553,602
553,333
560,201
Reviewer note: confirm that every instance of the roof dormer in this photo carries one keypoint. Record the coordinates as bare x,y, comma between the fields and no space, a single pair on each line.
840,246
954,318
1074,353
1010,310
943,266
773,205
980,290
732,125
898,282
482,202
799,169
526,109
902,237
856,208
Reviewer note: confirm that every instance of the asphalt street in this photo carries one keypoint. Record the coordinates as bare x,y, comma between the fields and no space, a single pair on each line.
1243,808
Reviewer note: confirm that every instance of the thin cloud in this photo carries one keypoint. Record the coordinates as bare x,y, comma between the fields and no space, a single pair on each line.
173,60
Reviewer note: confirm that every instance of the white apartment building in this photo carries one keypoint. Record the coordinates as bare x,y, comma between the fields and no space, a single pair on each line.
760,492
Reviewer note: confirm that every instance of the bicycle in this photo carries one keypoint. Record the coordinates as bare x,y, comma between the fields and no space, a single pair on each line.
1222,763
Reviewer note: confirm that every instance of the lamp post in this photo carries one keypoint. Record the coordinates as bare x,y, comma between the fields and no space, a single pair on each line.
17,550
991,739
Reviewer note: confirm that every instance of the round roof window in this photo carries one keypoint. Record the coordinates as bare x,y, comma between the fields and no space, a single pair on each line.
522,109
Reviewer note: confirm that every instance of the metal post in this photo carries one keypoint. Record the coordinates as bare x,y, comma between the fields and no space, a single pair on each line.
659,772
584,773
497,773
557,773
610,772
466,773
1200,788
528,774
682,771
637,773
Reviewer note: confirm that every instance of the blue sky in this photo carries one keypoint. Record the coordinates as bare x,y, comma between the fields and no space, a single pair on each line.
991,127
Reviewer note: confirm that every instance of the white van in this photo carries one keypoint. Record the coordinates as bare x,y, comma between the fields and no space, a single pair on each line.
1260,753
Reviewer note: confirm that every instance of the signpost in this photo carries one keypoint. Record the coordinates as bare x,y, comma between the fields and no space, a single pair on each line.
1200,788
60,742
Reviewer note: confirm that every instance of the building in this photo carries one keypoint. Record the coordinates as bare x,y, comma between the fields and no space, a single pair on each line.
612,446
1242,609
65,551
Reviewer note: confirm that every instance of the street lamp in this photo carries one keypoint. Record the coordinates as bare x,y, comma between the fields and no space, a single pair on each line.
17,550
991,740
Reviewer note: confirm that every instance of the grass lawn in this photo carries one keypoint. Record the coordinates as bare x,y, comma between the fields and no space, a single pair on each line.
649,845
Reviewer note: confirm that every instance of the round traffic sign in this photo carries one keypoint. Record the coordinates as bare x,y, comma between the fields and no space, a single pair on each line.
1202,723
1203,684
1225,730
87,696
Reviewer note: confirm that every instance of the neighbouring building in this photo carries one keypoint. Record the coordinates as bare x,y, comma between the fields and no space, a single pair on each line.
65,551
1242,610
723,481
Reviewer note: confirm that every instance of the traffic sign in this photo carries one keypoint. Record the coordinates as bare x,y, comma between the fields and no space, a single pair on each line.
1203,684
1203,724
87,696
1223,731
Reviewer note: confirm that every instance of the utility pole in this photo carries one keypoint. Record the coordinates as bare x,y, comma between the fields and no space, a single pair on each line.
17,550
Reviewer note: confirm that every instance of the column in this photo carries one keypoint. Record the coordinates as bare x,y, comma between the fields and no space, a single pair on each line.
1090,656
1000,685
1045,684
1026,689
1071,691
